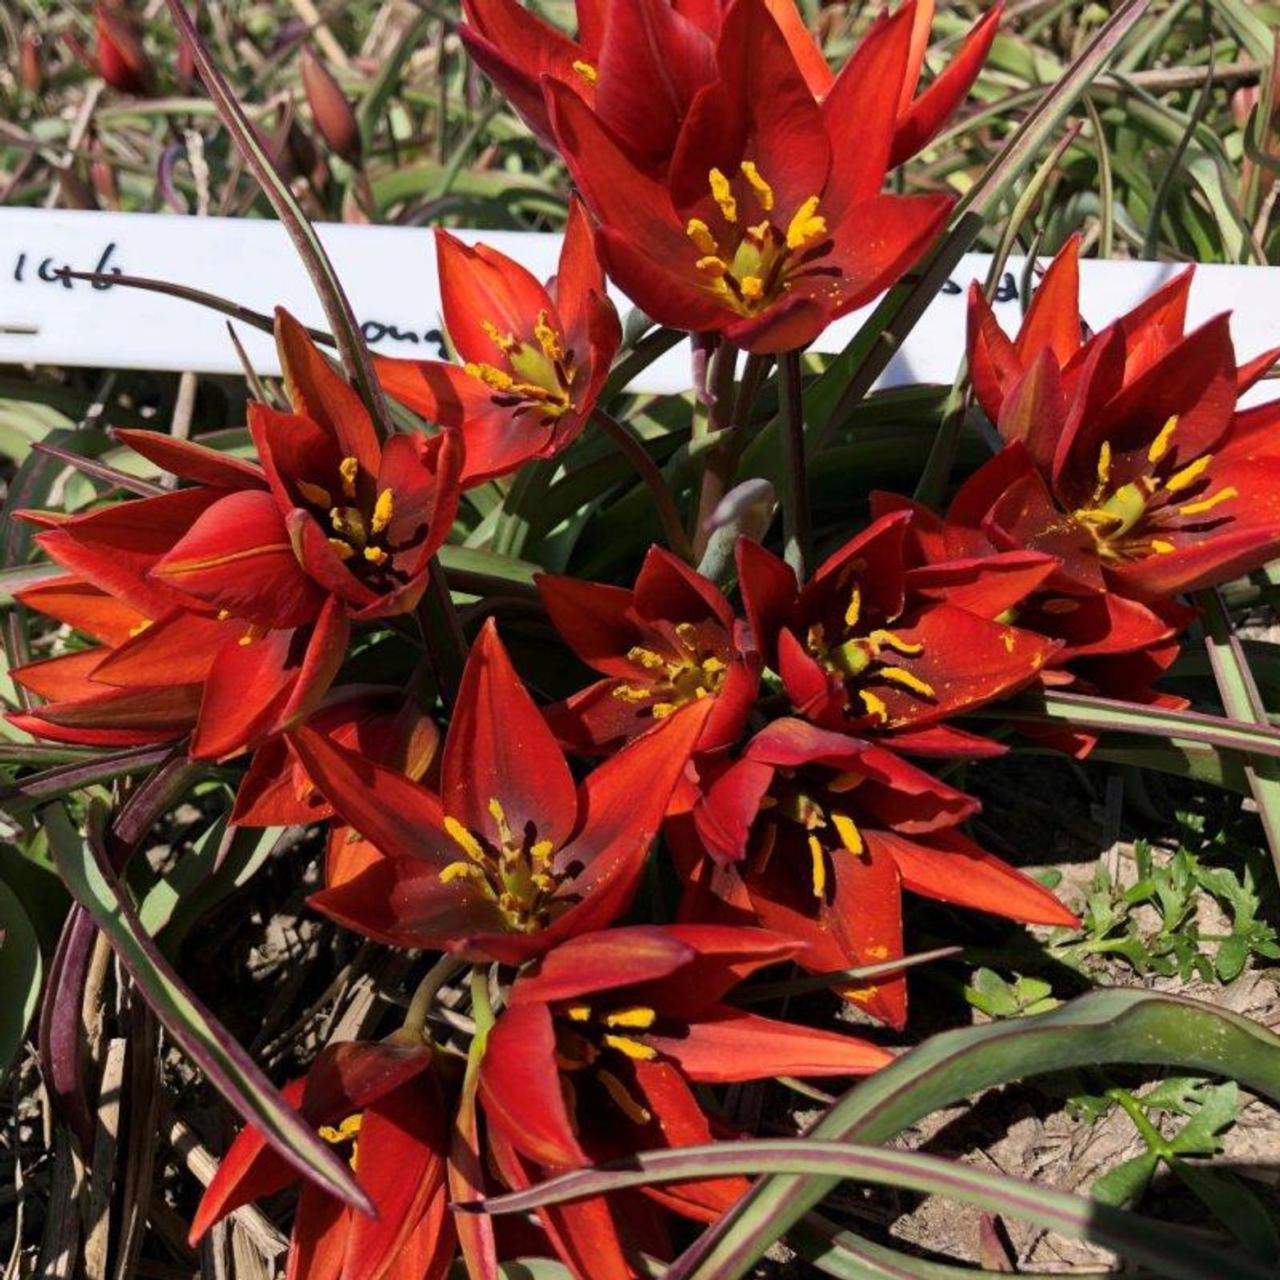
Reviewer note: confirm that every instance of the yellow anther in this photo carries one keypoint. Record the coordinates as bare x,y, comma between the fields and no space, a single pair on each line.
624,1101
223,614
343,550
1061,605
759,234
903,677
548,338
713,666
146,622
850,836
661,710
631,693
315,493
854,611
349,469
713,266
505,342
499,815
1208,504
1104,464
890,640
383,510
645,658
700,234
1160,445
818,868
634,1049
376,555
806,226
637,1017
1189,474
348,1129
844,782
541,851
254,633
460,871
752,288
348,523
1161,547
763,191
722,195
578,1013
493,377
586,71
465,840
874,705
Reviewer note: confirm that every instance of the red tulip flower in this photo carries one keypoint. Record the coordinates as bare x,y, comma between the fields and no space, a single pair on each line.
872,646
770,221
1125,455
640,66
816,834
594,1055
119,56
669,641
511,857
534,358
383,1104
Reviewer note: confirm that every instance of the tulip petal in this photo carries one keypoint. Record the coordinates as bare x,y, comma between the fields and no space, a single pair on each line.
191,461
603,960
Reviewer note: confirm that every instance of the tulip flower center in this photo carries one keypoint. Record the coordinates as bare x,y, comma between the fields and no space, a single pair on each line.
534,377
514,872
358,523
686,672
343,1134
752,264
862,655
1131,520
585,1040
816,806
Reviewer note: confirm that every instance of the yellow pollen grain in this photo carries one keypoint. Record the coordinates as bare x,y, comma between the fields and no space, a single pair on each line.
349,1128
460,871
622,1099
498,379
343,550
348,469
315,493
752,288
854,611
505,342
383,510
700,234
1208,504
1189,474
723,195
637,1017
806,226
874,705
905,678
763,191
586,71
1104,463
548,338
645,658
890,640
1160,445
464,840
376,555
1161,547
818,869
848,831
637,1050
578,1013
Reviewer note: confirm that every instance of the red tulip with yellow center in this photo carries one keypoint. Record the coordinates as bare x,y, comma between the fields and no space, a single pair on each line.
511,856
770,221
534,357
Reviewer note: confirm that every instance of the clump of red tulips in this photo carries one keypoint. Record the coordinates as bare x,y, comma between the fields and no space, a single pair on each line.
727,765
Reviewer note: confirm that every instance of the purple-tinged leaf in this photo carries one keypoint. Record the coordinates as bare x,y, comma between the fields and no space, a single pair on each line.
38,788
101,471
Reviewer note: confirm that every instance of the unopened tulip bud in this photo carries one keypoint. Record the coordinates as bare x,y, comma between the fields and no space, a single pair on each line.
121,59
330,109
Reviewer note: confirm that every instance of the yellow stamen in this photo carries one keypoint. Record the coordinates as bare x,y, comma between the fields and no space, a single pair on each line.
498,814
1208,504
223,614
752,288
850,836
806,226
383,510
645,658
586,71
498,379
713,266
763,191
722,195
579,1013
874,705
541,850
254,633
349,1128
1104,463
1160,445
348,523
460,871
899,675
314,493
854,611
637,1017
1189,474
548,338
1160,547
661,710
818,858
634,1049
146,622
625,1102
343,550
505,342
889,640
465,840
349,469
631,693
376,555
700,234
